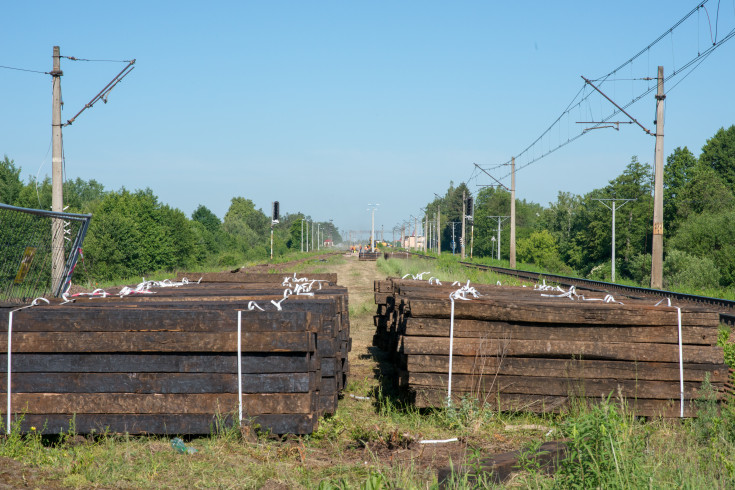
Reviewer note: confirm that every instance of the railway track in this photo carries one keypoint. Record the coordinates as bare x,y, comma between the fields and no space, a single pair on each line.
725,307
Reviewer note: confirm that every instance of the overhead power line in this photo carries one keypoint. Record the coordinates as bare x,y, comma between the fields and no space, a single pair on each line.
24,69
74,58
543,145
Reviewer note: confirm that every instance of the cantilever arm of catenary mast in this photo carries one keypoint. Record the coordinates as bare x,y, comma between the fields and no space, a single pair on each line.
619,108
496,180
102,93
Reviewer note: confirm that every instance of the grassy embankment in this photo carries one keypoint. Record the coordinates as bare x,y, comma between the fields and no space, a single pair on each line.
372,444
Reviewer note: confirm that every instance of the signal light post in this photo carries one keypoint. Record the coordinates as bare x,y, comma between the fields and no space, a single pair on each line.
274,221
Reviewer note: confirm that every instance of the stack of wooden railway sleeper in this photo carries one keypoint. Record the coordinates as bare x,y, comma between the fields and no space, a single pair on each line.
517,348
165,361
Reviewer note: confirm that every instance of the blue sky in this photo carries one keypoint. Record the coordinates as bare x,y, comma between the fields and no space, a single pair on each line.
328,106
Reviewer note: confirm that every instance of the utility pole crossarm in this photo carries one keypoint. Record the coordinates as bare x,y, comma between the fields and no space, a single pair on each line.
103,93
488,174
619,108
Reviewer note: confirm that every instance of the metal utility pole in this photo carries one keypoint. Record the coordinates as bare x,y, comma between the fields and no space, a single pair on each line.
438,231
372,228
57,182
454,243
472,237
464,214
500,220
415,233
318,229
513,213
438,225
657,249
625,201
426,232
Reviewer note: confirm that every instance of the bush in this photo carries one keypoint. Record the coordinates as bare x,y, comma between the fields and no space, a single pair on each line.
639,269
710,235
540,248
684,270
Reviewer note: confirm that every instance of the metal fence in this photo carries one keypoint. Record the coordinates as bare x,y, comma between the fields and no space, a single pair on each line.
27,252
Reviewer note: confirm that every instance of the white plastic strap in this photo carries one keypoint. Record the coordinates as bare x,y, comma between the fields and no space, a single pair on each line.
451,348
681,367
253,305
438,441
458,294
10,354
416,277
571,294
239,364
681,357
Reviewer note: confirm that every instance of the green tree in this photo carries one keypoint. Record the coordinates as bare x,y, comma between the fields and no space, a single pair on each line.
590,233
249,226
10,183
705,192
83,196
209,232
207,218
678,173
540,248
450,208
684,270
719,154
294,231
133,234
496,202
710,235
36,194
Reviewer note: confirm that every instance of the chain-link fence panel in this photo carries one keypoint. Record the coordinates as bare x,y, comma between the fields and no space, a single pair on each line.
38,252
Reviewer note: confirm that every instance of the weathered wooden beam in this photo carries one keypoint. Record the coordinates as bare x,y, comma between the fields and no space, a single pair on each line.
111,319
570,368
563,312
153,383
439,327
55,342
220,362
527,385
170,424
426,398
565,349
133,403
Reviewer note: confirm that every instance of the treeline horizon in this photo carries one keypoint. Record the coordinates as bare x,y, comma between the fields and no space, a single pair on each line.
132,233
573,235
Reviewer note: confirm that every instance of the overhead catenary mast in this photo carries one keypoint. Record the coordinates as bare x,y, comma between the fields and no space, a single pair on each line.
57,177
